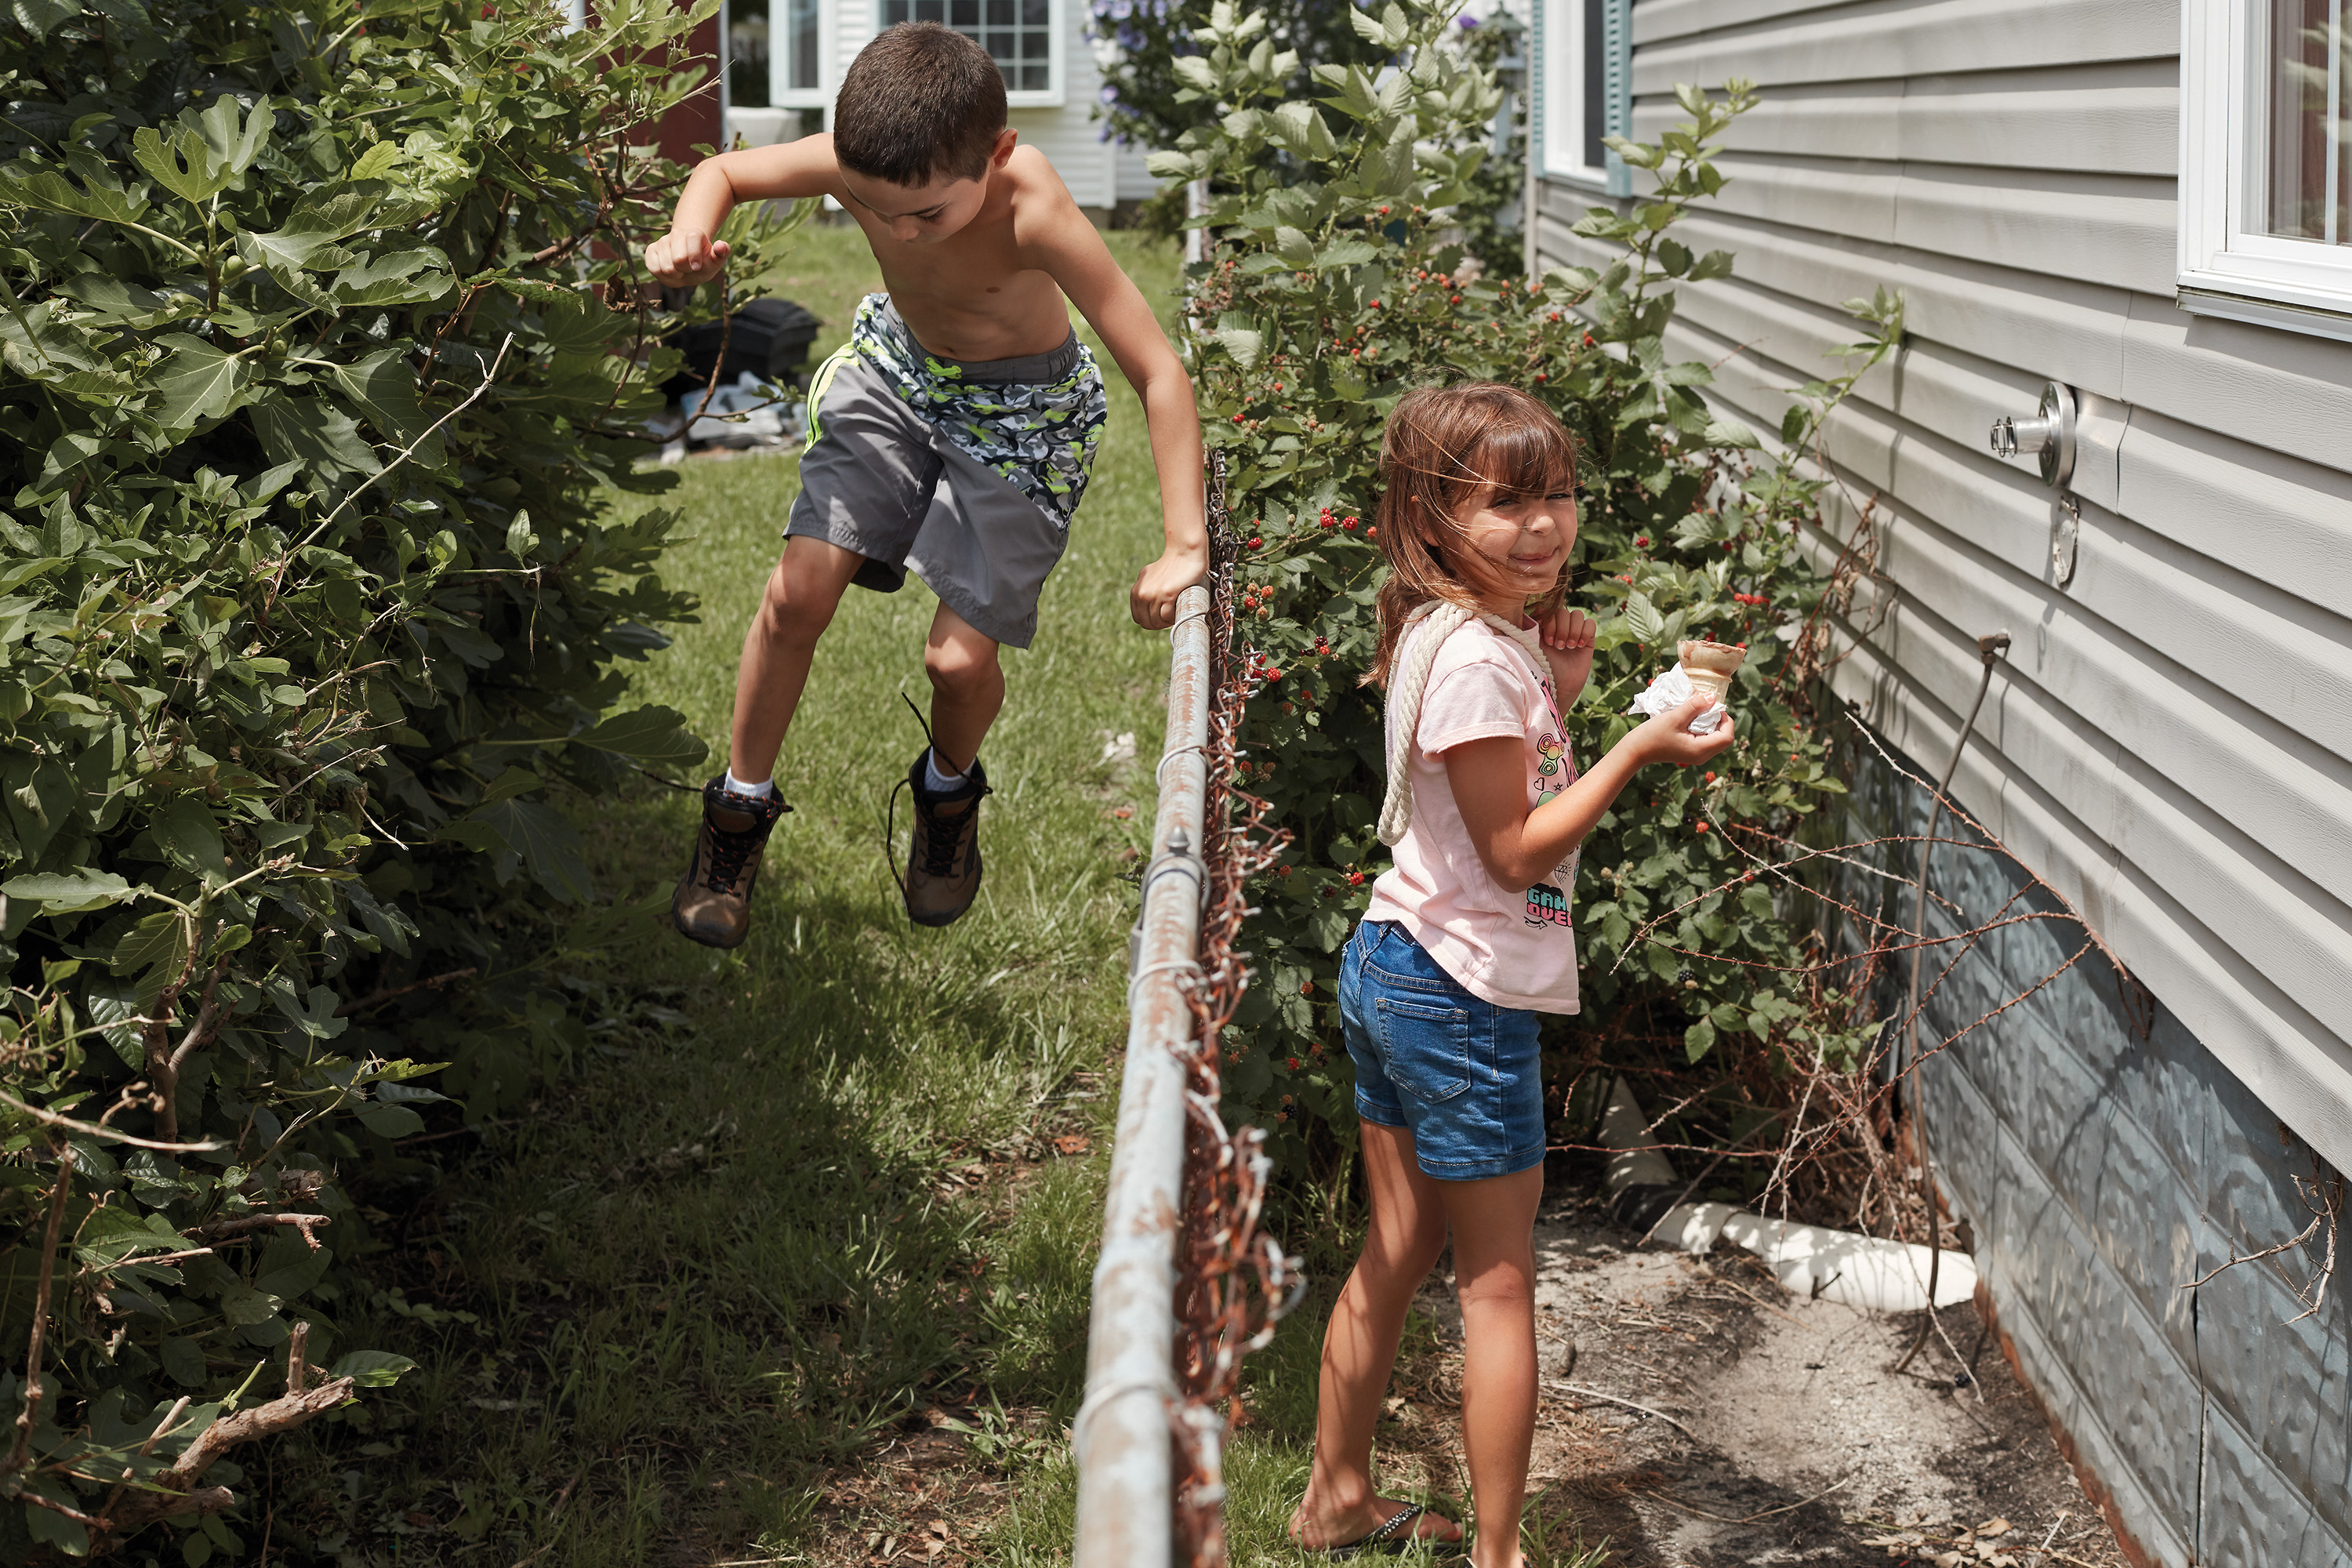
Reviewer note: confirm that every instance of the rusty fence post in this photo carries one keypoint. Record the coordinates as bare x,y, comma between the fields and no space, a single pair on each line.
1123,1433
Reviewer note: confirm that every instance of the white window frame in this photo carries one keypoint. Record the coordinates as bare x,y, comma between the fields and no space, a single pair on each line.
1057,43
779,73
2229,267
1560,45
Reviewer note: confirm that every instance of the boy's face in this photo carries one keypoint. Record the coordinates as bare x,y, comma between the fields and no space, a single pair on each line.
926,214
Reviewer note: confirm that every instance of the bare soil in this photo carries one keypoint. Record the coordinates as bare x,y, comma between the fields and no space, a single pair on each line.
1782,1432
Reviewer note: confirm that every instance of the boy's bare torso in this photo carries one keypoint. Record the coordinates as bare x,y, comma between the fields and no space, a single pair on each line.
976,294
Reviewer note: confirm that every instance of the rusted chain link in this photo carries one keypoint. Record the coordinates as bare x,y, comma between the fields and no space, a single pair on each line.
1235,1281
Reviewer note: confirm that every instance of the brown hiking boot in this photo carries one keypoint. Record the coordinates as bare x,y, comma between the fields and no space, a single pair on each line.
943,853
713,901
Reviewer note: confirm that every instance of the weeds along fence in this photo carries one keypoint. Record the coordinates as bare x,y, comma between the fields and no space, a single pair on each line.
1188,1282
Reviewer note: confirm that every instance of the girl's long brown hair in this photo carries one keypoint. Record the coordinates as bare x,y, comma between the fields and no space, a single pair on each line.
1445,446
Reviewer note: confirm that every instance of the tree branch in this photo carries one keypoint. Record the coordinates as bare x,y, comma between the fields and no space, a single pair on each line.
30,1416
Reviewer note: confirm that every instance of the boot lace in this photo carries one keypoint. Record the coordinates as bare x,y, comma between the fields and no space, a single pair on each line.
943,841
729,851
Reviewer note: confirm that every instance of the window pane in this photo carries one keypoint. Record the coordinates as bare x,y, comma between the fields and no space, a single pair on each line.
1595,85
802,43
747,53
1017,34
2310,187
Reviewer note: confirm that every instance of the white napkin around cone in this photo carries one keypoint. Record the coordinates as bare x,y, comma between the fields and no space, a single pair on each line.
1669,692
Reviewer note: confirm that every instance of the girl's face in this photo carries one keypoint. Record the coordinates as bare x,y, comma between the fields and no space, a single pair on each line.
1521,543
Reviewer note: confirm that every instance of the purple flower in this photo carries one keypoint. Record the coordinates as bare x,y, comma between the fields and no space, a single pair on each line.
1468,23
1109,95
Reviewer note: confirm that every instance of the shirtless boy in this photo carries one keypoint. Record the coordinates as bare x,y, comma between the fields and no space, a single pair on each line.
952,437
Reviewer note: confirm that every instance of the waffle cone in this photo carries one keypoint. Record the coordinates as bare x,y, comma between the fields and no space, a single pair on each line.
1710,665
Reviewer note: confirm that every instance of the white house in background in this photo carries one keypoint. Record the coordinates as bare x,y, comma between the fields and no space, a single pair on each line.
2147,203
784,61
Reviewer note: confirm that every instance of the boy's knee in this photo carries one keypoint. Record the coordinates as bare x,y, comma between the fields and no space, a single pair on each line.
795,610
960,666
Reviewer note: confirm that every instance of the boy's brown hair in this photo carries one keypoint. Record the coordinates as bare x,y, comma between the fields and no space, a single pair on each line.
1444,447
918,102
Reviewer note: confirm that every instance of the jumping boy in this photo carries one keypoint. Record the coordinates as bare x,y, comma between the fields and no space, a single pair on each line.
953,436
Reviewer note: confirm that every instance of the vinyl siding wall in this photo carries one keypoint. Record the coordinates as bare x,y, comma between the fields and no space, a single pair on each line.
2169,742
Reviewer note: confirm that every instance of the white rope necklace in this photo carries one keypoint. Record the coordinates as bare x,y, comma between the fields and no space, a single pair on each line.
1421,645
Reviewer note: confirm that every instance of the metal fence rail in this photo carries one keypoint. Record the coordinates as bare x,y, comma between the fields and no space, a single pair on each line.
1126,1477
1187,1282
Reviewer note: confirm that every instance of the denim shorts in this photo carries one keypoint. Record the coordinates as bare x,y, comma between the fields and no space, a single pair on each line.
1463,1075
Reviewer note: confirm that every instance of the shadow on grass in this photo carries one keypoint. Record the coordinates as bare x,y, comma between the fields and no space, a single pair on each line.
762,1219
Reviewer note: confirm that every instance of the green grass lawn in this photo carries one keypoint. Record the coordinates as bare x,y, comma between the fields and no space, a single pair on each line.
793,1193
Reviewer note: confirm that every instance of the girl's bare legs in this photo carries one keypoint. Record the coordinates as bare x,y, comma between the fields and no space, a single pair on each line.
1359,1347
1410,1217
1493,1224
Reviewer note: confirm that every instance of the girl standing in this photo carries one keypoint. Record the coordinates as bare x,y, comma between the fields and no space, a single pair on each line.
1466,940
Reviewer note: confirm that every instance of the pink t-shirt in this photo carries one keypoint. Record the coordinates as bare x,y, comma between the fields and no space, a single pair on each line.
1511,946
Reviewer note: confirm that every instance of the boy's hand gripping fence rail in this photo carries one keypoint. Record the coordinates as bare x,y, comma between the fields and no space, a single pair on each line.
1187,1283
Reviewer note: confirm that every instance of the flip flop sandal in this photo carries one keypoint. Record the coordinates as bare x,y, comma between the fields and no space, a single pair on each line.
1394,1539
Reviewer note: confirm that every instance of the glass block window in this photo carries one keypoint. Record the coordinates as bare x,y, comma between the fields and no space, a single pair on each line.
1019,34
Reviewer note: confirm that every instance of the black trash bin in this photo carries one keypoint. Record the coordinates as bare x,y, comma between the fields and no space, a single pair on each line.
770,337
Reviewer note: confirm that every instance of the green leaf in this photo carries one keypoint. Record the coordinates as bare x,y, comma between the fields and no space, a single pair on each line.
1641,617
1244,344
197,382
1729,433
52,192
1698,1040
186,832
376,161
371,1369
37,17
389,1121
654,735
183,1362
314,432
509,784
544,840
69,892
383,387
182,165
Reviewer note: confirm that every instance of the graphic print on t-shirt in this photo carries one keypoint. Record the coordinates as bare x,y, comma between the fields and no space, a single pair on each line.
1547,905
1550,748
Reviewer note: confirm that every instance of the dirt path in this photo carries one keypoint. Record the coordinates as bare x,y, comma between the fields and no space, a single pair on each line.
1796,1444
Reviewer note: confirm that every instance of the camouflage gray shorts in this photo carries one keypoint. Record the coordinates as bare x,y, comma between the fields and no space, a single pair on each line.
965,473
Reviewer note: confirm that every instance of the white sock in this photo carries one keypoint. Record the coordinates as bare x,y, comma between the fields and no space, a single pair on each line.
760,791
935,781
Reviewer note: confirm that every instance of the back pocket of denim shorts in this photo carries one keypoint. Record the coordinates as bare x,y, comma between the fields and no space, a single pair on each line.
1427,1047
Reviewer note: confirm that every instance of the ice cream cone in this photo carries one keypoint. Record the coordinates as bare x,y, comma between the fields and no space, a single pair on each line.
1710,666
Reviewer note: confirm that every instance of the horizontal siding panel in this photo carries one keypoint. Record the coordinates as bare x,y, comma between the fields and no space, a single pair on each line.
2063,328
1655,21
1908,683
2114,229
2117,117
1909,38
2285,391
1852,197
2285,520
